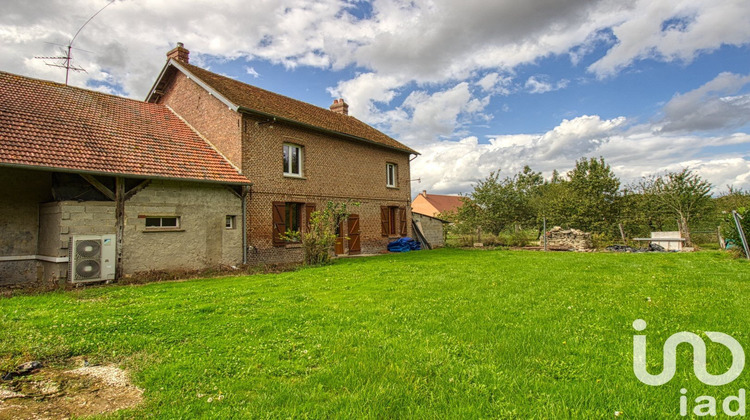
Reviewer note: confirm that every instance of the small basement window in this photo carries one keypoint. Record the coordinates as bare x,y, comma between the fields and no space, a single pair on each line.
162,223
231,222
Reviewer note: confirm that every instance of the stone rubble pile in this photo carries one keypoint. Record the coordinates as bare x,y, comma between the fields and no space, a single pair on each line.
571,239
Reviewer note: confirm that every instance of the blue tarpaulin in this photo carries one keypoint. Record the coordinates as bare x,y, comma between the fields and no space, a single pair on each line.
405,244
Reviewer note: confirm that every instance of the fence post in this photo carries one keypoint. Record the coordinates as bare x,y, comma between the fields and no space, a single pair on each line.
741,232
622,234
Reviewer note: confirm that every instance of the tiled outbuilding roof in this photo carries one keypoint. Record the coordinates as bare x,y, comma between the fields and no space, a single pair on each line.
53,126
435,204
254,99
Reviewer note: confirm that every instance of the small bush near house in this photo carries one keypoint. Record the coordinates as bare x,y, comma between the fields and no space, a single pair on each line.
319,239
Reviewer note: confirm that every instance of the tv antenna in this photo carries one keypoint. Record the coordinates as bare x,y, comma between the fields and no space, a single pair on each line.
64,61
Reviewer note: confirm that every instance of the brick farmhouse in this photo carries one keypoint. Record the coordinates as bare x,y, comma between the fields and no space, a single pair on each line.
298,156
207,171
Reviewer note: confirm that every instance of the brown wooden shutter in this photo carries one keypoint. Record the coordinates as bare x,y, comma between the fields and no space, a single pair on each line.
279,223
402,220
309,209
384,222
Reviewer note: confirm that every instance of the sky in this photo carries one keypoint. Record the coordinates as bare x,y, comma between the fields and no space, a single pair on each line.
474,86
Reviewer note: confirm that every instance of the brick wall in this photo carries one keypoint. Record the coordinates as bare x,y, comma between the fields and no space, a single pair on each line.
206,114
334,169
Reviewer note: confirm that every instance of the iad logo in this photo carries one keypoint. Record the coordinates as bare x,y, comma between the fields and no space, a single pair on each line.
699,357
705,405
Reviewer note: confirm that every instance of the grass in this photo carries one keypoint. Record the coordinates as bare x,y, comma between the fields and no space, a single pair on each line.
440,334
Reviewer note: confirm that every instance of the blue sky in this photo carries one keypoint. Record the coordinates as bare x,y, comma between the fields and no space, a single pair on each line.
475,86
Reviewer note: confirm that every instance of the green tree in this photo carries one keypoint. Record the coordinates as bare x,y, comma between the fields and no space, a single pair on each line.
504,204
593,194
684,193
732,199
641,213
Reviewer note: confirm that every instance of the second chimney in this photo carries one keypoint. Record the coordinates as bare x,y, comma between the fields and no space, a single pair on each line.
179,53
340,107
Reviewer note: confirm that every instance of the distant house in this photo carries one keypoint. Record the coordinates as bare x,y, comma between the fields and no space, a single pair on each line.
299,156
435,204
94,187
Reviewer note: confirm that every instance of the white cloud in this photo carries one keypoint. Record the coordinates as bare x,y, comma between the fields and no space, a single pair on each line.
700,26
252,72
710,106
495,83
422,41
364,92
452,167
540,84
425,117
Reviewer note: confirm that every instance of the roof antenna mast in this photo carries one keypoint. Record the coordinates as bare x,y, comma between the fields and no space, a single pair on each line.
65,62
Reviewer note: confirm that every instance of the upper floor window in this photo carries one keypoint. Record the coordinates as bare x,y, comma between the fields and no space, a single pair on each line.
292,160
390,174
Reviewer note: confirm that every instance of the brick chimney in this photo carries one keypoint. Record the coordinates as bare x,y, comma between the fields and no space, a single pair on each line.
340,107
424,193
179,53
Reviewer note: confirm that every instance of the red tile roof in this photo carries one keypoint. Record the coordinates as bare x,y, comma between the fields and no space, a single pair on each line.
251,98
49,125
435,204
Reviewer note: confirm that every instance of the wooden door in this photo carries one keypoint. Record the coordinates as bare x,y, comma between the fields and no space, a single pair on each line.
338,247
355,246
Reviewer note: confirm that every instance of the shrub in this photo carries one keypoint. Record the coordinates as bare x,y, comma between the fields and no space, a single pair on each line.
319,239
729,228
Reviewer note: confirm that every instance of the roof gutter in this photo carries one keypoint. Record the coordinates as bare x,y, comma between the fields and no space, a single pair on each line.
132,176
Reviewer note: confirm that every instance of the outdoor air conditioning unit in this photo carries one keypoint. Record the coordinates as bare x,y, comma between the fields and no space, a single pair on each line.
92,258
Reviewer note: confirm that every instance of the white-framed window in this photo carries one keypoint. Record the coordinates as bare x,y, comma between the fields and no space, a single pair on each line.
162,222
293,159
230,221
390,174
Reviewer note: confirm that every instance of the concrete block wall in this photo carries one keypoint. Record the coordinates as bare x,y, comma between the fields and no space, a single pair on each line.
202,240
21,191
432,228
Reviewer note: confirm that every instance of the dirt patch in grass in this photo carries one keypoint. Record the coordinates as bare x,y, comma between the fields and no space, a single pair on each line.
52,393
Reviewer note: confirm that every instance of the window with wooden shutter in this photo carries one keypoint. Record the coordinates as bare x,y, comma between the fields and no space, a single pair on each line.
309,209
384,220
279,225
402,220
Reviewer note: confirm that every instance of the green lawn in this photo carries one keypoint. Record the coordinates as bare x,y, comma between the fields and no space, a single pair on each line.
438,334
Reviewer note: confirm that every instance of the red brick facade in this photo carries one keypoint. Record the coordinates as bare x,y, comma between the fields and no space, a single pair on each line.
218,124
335,168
